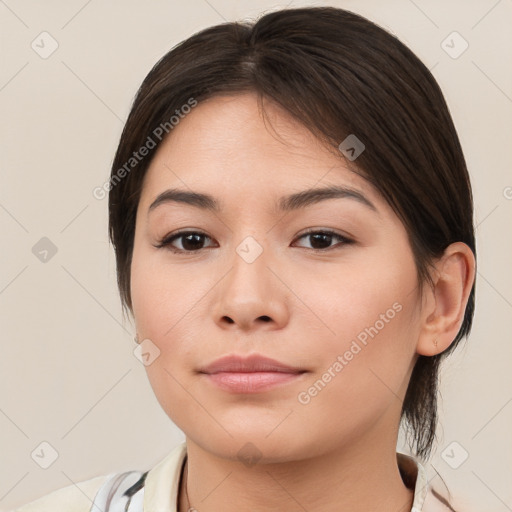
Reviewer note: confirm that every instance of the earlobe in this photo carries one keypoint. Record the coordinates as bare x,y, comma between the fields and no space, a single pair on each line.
446,301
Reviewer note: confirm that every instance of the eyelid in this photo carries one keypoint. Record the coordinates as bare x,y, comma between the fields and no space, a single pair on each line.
167,240
345,239
325,230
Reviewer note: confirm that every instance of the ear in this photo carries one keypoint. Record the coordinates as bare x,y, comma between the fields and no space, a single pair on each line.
445,304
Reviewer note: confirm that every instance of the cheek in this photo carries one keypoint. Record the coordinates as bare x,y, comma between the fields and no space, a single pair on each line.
369,296
165,300
368,313
364,367
161,294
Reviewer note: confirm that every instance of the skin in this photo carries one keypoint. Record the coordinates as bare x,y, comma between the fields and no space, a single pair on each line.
338,451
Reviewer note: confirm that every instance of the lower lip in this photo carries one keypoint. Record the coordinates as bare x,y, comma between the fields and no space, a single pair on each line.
250,382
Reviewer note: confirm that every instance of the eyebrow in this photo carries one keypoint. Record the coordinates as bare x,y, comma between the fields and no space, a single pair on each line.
286,203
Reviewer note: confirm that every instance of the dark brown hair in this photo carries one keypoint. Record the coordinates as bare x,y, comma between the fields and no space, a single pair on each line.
338,74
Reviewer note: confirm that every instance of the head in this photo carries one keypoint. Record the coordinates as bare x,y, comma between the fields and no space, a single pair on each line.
249,114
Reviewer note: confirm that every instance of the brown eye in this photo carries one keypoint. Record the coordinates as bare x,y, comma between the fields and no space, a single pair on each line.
321,240
191,241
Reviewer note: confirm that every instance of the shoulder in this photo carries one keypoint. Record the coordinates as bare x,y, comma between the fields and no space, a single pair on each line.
157,487
76,497
426,498
435,502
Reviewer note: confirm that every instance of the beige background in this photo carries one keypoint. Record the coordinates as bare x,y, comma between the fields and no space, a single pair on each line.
68,373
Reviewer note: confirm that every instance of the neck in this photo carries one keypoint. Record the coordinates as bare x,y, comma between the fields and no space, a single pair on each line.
360,476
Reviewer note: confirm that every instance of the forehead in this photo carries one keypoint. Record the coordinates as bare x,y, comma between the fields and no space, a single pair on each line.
226,144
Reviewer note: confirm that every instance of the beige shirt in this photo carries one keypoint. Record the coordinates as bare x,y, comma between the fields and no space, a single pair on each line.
162,483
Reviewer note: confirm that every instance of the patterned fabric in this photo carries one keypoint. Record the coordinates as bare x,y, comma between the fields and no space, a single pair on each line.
414,476
122,492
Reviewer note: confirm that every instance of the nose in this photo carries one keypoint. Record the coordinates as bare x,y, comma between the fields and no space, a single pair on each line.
251,296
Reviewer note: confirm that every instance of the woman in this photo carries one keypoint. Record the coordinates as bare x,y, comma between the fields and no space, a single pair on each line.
292,219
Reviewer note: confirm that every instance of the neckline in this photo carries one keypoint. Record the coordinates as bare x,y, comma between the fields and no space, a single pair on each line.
411,471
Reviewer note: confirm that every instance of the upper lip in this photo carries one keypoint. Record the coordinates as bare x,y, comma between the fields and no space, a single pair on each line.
252,363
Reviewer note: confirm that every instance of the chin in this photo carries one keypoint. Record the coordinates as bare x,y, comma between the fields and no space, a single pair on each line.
256,446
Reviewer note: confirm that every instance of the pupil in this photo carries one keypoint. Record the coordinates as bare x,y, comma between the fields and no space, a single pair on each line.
319,236
186,240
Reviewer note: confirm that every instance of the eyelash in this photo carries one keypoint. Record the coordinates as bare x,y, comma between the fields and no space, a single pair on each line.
167,240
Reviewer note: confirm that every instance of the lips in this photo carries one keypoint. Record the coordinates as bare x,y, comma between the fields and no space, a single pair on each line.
250,364
250,374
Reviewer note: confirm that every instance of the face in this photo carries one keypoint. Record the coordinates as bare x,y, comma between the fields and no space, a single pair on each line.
327,286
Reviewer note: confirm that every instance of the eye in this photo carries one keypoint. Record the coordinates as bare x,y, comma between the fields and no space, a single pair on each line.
321,239
192,241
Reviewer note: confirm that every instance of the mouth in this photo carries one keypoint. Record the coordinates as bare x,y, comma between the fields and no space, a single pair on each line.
253,374
251,382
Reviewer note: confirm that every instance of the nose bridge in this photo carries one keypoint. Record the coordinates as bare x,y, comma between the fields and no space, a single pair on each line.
250,291
251,245
249,274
